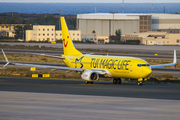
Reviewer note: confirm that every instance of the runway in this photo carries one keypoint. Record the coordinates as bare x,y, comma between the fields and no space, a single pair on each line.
45,106
132,90
40,99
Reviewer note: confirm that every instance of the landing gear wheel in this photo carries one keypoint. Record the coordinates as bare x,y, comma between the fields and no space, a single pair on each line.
114,81
119,81
89,82
140,83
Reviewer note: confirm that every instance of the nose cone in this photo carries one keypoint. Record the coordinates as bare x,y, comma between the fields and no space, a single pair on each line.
147,71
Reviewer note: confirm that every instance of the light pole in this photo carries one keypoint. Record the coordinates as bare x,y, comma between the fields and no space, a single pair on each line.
59,17
113,20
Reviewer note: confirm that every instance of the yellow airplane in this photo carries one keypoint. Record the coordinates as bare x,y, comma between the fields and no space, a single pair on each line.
93,66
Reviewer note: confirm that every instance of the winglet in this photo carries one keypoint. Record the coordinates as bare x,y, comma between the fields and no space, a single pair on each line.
164,65
175,58
5,59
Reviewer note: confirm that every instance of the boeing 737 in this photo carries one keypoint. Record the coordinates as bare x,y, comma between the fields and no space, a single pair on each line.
92,67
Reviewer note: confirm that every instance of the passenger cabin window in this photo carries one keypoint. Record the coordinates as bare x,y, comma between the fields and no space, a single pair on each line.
177,41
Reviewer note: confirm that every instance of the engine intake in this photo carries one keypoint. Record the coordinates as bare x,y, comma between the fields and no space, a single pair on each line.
90,75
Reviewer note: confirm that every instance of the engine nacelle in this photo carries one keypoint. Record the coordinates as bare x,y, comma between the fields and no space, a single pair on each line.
90,75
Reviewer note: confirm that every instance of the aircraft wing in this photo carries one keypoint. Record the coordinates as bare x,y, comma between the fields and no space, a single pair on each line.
99,71
164,65
49,66
54,56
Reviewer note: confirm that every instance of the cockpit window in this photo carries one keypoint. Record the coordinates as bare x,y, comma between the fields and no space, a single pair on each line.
139,65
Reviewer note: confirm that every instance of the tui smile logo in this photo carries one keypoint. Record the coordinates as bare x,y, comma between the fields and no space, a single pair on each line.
65,44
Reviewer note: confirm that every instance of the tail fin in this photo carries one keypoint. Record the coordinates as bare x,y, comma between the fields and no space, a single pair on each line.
68,46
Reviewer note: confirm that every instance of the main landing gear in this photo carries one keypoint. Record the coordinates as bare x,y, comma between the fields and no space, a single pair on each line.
89,82
116,81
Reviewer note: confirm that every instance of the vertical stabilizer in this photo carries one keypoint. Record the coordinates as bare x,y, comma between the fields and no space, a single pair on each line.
68,46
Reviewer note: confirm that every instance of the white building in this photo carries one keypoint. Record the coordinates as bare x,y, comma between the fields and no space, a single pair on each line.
106,24
48,32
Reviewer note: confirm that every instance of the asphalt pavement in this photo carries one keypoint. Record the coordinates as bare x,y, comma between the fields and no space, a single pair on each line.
132,90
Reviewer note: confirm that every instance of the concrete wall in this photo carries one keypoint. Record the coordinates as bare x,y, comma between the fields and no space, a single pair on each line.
107,27
105,24
165,21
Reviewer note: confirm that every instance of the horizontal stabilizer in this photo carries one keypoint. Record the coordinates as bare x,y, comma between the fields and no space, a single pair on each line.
5,59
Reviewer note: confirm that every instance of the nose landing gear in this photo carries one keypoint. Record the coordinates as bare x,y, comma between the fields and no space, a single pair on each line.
140,83
141,80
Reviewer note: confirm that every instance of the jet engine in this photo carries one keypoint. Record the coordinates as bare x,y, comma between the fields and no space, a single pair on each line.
90,75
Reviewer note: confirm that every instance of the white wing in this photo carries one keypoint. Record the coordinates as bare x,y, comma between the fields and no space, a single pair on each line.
164,65
49,66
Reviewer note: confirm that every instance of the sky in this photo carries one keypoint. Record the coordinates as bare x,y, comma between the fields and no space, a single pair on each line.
92,1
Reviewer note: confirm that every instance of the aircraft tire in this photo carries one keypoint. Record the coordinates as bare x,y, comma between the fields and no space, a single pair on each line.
140,83
91,82
114,81
87,82
119,81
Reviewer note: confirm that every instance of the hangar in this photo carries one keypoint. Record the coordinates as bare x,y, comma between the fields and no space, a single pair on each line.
105,24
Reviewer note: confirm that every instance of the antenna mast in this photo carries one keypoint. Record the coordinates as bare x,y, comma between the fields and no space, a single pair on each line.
123,7
152,6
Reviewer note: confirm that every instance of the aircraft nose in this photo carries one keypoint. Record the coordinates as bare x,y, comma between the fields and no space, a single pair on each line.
148,71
